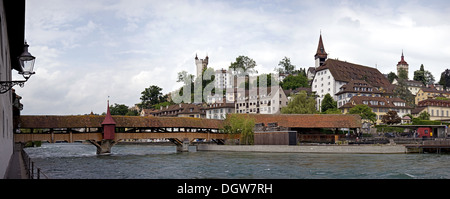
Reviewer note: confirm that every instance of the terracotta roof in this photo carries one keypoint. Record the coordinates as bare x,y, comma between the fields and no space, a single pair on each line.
94,121
402,61
414,83
176,109
350,87
219,105
417,110
434,102
346,72
434,90
388,102
148,112
310,120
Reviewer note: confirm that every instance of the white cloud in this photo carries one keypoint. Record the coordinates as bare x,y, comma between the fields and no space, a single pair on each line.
87,50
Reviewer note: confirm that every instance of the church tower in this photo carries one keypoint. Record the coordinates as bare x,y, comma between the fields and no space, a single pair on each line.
402,64
201,65
321,55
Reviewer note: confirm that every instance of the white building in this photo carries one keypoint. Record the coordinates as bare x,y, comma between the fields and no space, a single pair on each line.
356,88
413,86
219,110
12,28
223,79
257,101
332,74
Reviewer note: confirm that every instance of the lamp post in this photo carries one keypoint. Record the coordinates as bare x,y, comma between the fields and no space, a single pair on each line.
26,61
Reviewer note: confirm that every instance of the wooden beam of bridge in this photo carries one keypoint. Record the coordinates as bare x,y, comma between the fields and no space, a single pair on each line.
72,137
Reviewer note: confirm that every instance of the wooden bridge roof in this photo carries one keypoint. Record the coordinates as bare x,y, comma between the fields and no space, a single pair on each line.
94,121
310,120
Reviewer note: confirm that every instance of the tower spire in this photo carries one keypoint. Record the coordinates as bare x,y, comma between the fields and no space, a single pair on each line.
402,65
320,55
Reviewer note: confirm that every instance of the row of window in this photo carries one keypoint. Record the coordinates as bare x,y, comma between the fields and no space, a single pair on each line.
362,89
437,113
350,95
229,110
315,86
374,102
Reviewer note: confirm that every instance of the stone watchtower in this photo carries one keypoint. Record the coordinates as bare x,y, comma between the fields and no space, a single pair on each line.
402,64
201,65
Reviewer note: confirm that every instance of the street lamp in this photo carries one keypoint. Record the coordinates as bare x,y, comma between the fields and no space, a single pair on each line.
26,61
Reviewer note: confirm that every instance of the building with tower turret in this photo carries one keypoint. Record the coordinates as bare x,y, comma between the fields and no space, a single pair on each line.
402,64
332,75
321,55
201,64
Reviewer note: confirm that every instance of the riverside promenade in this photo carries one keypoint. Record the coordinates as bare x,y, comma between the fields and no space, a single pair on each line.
17,168
355,149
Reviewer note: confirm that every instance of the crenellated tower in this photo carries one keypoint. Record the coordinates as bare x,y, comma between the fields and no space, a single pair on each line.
201,65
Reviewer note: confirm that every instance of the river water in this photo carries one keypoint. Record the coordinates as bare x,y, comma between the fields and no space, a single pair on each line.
79,161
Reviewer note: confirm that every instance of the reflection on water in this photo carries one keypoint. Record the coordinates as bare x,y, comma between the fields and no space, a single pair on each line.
77,160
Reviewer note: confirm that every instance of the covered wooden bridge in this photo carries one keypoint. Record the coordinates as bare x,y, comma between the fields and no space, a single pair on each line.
179,130
71,128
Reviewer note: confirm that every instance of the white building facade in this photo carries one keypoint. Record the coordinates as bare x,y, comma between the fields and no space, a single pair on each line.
12,25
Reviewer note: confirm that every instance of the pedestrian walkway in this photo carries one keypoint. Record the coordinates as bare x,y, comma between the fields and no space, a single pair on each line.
17,169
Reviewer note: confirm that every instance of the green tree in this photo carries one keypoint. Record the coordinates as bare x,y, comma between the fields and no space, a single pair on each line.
244,65
118,109
401,91
151,96
132,113
241,124
445,79
402,74
392,76
424,116
328,103
163,104
185,77
293,82
301,103
364,111
423,76
285,66
391,117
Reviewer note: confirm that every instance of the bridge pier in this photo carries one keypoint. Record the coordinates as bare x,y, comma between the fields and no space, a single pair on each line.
104,146
184,146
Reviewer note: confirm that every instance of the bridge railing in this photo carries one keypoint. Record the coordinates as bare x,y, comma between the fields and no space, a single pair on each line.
30,167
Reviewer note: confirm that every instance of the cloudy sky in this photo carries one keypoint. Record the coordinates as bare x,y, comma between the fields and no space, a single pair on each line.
88,50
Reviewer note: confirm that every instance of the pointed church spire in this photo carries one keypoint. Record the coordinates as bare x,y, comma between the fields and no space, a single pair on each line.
320,55
321,49
402,60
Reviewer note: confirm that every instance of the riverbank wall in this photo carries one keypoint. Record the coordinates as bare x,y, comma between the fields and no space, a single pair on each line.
351,149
